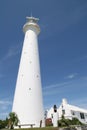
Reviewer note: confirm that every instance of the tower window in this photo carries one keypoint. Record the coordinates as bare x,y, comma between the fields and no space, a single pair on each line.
37,76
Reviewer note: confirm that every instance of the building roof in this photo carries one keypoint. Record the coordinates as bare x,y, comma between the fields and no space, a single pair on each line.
72,107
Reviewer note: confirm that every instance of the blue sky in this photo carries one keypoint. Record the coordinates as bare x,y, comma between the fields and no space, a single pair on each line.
62,48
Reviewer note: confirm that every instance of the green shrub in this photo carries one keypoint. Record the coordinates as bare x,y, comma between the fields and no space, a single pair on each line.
3,123
75,121
67,122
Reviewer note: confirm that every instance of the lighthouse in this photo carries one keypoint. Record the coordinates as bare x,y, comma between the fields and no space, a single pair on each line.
28,102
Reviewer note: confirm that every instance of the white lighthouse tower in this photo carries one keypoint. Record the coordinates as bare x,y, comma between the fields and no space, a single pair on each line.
28,103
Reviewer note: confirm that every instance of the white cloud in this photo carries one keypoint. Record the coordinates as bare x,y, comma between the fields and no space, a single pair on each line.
5,106
85,78
3,114
63,88
71,76
56,88
12,51
81,102
2,102
56,85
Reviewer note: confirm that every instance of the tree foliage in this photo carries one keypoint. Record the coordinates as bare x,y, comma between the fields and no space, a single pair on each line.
13,120
67,122
3,123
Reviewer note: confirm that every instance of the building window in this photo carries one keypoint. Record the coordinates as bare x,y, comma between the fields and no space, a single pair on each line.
51,115
63,112
45,114
72,112
82,116
85,116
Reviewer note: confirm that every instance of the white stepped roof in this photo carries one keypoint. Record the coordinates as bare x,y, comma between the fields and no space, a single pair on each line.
65,105
72,107
75,108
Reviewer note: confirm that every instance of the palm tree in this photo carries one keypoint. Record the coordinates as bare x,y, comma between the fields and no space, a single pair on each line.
13,120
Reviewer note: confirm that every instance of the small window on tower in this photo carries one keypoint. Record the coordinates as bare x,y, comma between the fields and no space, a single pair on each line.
37,76
29,88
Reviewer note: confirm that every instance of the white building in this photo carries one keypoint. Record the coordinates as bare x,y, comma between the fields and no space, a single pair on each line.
69,112
28,103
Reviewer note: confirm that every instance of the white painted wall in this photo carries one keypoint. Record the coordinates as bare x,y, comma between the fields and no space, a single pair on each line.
55,119
28,103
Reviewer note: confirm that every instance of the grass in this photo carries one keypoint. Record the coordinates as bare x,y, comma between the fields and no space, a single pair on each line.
45,128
